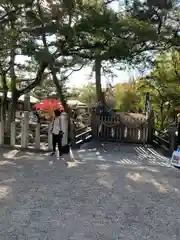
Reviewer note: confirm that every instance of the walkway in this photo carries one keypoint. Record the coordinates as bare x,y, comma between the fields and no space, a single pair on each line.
110,193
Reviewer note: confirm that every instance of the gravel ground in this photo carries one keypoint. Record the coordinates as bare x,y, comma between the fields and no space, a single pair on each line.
113,192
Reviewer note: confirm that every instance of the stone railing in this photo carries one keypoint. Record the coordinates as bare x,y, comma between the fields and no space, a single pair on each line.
36,136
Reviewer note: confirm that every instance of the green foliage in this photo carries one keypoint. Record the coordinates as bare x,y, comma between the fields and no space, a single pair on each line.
85,94
69,34
8,82
48,89
162,84
128,99
88,94
164,87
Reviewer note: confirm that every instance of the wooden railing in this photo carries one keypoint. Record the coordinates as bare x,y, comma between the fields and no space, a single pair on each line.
81,135
161,140
167,141
123,127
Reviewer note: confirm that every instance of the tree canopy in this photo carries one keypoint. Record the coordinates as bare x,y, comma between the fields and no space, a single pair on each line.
59,37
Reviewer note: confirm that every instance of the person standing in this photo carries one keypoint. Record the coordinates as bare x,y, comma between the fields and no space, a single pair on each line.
57,133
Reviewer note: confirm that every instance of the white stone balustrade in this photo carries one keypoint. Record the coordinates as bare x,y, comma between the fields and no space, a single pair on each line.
25,132
64,126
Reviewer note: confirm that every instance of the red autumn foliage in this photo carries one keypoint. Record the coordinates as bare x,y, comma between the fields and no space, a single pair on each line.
49,105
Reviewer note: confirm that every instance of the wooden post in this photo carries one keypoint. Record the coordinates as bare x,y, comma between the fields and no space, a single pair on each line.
1,133
37,136
172,140
13,134
94,124
150,127
73,137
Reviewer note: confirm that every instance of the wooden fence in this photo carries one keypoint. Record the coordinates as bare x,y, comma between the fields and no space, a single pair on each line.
121,127
134,128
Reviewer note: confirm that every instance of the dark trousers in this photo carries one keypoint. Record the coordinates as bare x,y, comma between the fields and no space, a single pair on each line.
57,140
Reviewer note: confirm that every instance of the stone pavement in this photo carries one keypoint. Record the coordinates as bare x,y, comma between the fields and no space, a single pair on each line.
111,192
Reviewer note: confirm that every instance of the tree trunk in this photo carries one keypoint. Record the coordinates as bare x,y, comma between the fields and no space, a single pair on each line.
161,117
14,96
4,97
63,100
11,113
4,102
59,88
99,94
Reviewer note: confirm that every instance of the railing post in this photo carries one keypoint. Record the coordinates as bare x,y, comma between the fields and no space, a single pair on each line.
37,136
64,126
172,141
94,124
13,134
150,126
25,130
22,132
73,133
1,133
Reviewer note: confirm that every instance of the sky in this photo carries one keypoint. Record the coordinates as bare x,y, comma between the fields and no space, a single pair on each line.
82,77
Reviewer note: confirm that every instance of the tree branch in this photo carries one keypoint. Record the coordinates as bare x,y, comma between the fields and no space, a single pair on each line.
37,80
